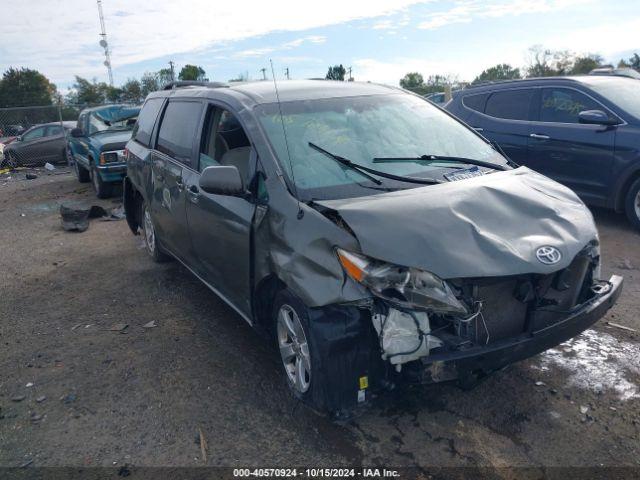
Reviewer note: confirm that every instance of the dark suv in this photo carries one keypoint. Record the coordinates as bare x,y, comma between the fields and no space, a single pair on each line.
375,237
581,131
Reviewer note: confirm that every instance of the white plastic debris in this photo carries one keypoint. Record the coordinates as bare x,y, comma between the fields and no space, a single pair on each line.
584,409
49,167
404,336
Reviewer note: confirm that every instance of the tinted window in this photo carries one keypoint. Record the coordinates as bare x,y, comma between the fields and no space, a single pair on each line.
475,102
146,121
563,105
178,129
510,104
33,134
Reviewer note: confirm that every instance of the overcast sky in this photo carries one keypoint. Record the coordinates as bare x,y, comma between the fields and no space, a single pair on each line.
380,39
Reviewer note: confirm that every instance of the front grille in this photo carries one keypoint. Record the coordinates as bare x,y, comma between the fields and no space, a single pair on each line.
513,305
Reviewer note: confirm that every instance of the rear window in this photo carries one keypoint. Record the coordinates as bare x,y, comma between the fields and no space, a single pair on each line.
146,121
510,104
475,102
178,129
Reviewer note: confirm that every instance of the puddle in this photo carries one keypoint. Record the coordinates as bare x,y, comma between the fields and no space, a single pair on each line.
597,361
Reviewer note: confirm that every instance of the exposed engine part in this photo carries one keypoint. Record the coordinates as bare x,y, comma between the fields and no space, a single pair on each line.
404,336
467,327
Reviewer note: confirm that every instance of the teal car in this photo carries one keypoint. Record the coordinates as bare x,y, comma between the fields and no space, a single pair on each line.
97,145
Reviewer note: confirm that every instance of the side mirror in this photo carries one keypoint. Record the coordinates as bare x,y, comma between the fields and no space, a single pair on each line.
596,117
77,132
222,180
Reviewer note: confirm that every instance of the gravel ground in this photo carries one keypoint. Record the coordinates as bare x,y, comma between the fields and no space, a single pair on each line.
96,397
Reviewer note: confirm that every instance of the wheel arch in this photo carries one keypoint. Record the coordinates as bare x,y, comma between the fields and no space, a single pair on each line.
623,189
132,201
264,295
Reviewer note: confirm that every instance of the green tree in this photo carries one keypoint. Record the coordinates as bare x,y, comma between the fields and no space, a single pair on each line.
149,83
502,71
164,76
412,81
634,62
25,87
87,92
583,65
337,72
192,72
540,63
132,91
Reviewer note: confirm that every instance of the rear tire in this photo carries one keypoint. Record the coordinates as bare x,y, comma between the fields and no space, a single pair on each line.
632,204
81,173
155,251
103,189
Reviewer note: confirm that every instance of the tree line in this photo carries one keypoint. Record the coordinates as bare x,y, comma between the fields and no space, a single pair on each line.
21,87
541,62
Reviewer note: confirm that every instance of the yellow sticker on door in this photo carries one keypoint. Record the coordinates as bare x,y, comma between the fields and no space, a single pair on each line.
364,382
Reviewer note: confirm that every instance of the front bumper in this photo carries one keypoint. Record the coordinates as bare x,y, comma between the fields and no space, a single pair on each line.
481,360
114,172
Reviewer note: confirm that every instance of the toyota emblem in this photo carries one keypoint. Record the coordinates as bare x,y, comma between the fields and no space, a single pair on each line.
548,255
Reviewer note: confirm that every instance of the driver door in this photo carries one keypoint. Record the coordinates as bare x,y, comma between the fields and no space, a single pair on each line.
577,155
220,225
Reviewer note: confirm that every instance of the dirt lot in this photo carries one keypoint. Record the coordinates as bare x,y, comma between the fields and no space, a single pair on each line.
141,397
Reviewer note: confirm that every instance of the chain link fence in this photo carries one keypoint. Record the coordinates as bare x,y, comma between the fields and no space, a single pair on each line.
34,136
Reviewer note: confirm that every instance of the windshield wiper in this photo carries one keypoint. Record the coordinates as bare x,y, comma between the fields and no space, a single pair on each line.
366,170
443,158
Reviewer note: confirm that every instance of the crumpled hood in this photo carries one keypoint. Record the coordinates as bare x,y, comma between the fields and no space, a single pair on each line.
479,227
115,140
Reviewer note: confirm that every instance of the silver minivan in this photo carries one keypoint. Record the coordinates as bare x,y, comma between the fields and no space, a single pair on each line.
373,237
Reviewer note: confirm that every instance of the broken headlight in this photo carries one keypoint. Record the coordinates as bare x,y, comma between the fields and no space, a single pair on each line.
402,286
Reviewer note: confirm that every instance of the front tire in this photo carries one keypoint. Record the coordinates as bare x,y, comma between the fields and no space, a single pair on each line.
81,173
294,340
155,251
103,189
11,160
632,204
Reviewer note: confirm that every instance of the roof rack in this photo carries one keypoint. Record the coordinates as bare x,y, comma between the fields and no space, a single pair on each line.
193,83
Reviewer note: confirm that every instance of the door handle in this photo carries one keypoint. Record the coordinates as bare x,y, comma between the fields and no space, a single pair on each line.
193,193
540,136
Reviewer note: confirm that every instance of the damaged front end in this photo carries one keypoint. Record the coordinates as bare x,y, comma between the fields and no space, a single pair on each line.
431,330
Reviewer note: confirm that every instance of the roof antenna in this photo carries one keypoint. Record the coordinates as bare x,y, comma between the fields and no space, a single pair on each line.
286,142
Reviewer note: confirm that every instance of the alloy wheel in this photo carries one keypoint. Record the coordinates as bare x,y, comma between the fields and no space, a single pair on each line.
294,349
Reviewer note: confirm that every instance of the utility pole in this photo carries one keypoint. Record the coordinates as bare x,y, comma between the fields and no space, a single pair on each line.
350,79
173,72
286,73
104,44
264,73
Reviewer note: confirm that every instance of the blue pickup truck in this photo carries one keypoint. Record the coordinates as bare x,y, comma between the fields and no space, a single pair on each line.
97,145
